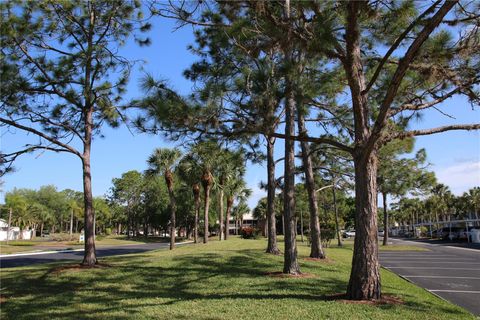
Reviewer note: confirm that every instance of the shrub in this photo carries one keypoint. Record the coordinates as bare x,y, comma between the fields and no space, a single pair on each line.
327,236
63,236
250,233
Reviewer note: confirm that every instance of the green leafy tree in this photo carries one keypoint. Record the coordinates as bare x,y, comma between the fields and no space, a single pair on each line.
127,191
62,78
398,176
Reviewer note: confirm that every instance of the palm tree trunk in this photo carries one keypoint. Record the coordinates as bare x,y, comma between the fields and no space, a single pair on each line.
173,207
227,219
196,196
207,181
220,208
71,222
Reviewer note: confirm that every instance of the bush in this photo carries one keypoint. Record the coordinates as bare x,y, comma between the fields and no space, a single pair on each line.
108,231
250,233
63,236
327,236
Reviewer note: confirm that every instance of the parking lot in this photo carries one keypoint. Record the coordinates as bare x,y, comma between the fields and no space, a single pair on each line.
452,273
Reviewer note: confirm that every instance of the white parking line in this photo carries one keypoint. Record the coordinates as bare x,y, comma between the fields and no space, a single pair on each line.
412,256
476,269
427,260
451,262
440,277
454,291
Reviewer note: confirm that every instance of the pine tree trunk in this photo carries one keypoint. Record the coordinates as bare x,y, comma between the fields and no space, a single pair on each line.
316,250
385,219
364,281
290,265
272,246
301,226
90,257
337,220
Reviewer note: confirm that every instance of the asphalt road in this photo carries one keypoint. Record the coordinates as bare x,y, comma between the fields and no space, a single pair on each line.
29,259
452,273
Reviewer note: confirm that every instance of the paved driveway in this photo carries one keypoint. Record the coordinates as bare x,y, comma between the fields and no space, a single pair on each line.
29,259
450,272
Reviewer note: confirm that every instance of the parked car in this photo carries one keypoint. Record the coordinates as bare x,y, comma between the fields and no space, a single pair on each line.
349,233
381,233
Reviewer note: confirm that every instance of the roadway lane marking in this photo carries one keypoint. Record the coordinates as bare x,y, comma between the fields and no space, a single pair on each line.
38,253
467,249
439,277
78,250
476,269
454,291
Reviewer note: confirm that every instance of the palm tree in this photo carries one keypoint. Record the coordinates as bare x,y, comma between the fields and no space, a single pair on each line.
190,172
231,172
239,211
473,199
206,154
163,161
236,189
441,195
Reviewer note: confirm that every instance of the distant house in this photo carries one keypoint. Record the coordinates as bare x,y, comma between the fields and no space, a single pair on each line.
14,232
247,221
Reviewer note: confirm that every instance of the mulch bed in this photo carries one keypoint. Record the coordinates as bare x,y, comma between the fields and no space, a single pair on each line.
326,260
385,300
279,274
77,267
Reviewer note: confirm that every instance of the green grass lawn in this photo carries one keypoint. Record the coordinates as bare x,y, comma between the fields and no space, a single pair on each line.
220,280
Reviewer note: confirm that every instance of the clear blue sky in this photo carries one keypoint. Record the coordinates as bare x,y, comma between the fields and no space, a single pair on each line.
455,156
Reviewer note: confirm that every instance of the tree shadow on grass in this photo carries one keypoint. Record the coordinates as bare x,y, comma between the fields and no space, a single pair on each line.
151,282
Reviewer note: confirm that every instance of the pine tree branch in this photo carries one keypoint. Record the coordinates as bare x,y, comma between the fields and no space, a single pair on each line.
402,69
42,135
417,107
397,43
329,141
424,132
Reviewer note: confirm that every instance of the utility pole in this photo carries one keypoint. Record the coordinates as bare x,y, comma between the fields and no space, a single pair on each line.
9,223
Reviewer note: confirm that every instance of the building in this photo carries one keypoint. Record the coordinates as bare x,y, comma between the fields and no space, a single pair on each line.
14,232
